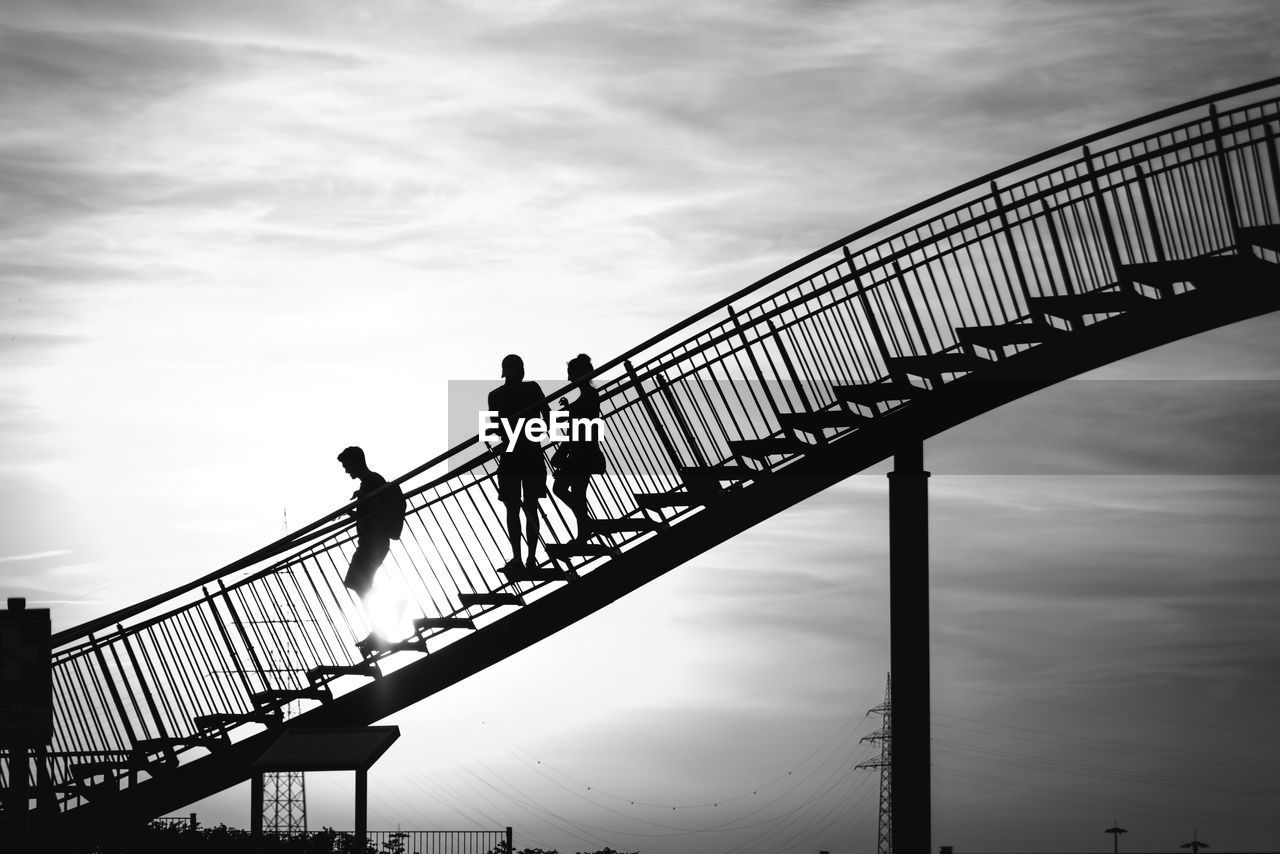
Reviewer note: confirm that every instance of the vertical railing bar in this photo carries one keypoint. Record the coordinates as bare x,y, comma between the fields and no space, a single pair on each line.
190,665
292,633
1195,238
806,352
1131,233
911,306
923,282
994,312
462,539
841,359
225,696
244,636
1103,215
78,737
1191,183
1248,162
995,283
1082,266
876,333
839,341
128,691
639,453
789,365
319,648
1224,177
494,540
1273,160
338,652
681,422
262,627
161,730
416,517
111,688
948,262
658,427
172,701
720,435
1170,209
841,320
760,416
1152,223
226,639
755,365
1018,270
1207,196
448,542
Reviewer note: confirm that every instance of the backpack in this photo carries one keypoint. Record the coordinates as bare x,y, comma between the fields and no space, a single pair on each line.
391,510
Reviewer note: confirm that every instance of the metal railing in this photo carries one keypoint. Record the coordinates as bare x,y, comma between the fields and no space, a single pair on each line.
130,687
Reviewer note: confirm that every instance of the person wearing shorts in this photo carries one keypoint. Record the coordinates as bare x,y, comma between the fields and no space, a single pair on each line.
522,470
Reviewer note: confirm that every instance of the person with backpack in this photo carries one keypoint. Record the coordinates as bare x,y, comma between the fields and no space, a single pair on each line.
379,519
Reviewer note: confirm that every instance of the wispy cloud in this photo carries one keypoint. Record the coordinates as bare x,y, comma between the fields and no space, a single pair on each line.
35,555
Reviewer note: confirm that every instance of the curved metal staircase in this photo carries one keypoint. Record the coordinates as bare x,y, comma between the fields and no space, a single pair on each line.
1152,231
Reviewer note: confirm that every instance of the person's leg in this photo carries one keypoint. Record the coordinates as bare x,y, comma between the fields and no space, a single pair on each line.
359,578
513,529
531,526
509,495
576,492
560,487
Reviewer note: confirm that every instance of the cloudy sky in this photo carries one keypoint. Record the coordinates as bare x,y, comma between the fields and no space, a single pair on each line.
236,237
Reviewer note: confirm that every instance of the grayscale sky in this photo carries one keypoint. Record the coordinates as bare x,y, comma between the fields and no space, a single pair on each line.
236,237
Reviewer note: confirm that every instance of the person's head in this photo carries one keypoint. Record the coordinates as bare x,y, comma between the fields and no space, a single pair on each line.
579,367
513,368
352,460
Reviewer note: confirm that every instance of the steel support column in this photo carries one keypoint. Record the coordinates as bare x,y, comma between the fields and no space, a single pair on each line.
909,647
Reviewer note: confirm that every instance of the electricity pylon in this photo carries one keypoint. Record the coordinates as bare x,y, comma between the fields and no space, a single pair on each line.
884,735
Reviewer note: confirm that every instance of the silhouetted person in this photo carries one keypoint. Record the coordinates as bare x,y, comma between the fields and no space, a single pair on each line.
522,471
374,538
580,457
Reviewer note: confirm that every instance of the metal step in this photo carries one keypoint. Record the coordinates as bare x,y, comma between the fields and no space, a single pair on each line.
212,744
471,600
540,573
1006,335
621,526
1266,236
932,367
726,471
227,720
325,672
659,500
81,770
374,643
280,696
816,422
759,449
872,393
422,624
88,791
566,551
1074,308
